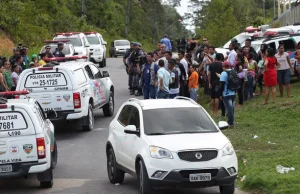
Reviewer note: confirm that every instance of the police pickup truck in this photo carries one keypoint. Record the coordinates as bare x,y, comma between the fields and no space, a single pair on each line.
74,89
27,143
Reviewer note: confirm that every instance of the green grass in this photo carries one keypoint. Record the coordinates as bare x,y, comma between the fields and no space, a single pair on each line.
277,123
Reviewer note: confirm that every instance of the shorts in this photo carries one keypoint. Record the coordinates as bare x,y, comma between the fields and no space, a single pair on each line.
215,92
284,76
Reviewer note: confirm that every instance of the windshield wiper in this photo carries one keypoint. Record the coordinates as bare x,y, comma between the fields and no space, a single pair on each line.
157,133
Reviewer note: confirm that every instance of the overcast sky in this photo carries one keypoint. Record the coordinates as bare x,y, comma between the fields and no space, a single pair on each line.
184,9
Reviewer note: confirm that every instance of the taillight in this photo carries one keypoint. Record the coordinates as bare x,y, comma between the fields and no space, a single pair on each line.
3,106
41,148
76,100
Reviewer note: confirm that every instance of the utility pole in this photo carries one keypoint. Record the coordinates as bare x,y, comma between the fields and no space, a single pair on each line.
264,8
155,24
82,8
274,9
127,17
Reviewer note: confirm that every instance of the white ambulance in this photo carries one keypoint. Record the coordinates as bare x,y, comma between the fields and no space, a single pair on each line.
74,89
27,142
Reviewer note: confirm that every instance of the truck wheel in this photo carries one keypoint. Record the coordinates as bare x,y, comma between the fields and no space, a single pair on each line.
108,109
54,156
88,121
115,175
46,178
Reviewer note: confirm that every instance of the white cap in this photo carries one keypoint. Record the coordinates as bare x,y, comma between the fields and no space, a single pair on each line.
175,56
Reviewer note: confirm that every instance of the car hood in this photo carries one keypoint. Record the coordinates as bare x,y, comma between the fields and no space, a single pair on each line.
95,46
79,49
122,47
190,141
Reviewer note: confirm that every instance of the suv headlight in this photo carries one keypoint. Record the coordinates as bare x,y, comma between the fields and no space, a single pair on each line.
160,153
228,150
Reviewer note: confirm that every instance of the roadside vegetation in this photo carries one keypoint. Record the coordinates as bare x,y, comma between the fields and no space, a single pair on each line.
278,142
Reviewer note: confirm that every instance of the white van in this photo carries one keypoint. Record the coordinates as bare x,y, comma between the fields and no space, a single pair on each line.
73,89
27,142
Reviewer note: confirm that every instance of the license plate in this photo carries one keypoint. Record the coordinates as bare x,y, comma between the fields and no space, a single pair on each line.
6,168
200,177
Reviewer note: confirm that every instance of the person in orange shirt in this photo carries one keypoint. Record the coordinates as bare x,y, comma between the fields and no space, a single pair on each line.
193,83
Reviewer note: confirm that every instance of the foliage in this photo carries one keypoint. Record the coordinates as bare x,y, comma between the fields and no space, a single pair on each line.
31,21
276,126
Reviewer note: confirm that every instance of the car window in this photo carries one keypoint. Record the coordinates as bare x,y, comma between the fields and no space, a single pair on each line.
66,50
89,72
12,120
134,118
75,41
40,109
177,120
80,76
289,45
93,40
124,115
46,79
122,43
96,71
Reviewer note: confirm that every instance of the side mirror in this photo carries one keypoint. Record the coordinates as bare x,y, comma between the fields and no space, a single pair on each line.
51,114
104,42
87,45
75,53
131,129
105,74
223,125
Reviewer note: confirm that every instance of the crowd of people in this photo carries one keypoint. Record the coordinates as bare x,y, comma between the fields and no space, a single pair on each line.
11,69
243,73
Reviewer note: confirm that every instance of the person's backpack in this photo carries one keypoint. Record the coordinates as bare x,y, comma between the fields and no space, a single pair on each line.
234,82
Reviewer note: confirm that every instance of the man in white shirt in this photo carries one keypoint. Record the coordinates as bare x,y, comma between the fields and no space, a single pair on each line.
232,55
162,57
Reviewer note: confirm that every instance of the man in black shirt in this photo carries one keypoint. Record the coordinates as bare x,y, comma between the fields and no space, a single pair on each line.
181,70
215,69
58,51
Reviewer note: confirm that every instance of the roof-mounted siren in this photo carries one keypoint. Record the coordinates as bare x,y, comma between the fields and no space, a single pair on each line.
270,34
251,29
71,58
15,94
87,33
56,41
67,33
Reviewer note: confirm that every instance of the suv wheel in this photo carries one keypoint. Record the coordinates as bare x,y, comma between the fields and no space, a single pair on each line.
102,63
54,156
143,179
115,175
46,178
88,121
227,189
108,109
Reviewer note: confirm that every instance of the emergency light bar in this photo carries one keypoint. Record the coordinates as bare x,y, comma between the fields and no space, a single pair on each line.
56,41
67,33
65,58
251,29
14,93
89,32
270,33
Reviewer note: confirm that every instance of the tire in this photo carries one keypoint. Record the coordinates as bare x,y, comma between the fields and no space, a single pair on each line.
108,109
46,178
54,156
227,189
104,62
115,175
143,179
88,121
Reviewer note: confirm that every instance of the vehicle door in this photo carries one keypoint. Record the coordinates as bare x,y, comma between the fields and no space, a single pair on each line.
51,87
119,134
17,138
131,141
100,84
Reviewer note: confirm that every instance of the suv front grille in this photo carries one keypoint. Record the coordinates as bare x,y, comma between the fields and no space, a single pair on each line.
198,156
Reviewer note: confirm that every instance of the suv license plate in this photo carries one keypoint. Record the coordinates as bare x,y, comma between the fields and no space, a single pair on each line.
200,177
6,168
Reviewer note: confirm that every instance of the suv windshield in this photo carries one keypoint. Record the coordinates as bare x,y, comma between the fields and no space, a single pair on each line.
122,43
75,41
66,49
177,120
240,38
93,39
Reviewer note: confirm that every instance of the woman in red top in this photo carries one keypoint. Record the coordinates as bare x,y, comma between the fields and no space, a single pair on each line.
270,74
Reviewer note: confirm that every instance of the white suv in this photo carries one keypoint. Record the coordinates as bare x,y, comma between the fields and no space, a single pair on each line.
170,142
73,89
97,48
27,142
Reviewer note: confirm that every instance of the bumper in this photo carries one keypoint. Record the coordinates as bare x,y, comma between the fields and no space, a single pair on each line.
96,58
180,179
67,115
20,169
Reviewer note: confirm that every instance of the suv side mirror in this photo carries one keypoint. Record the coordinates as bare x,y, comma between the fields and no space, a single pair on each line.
87,45
75,53
51,114
104,42
223,125
105,74
131,129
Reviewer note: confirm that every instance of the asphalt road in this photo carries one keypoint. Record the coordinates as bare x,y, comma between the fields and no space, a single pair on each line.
81,167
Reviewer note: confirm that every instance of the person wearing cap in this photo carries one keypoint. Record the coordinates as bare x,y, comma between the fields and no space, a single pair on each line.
48,51
125,61
58,51
42,61
228,96
167,42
